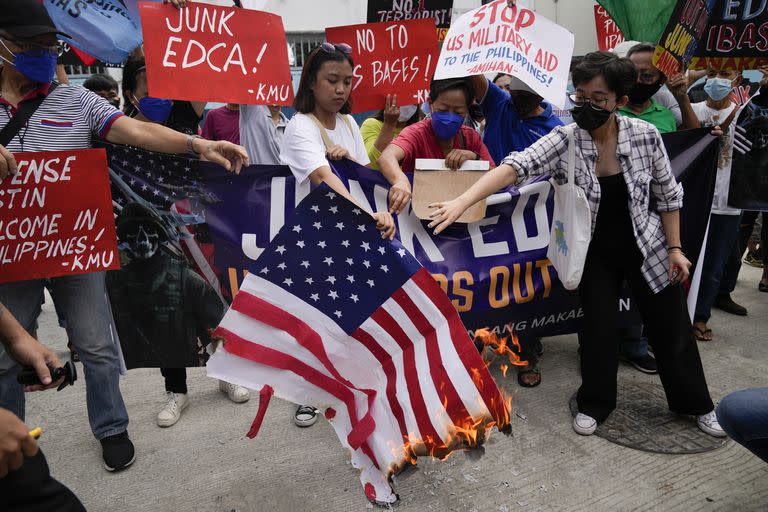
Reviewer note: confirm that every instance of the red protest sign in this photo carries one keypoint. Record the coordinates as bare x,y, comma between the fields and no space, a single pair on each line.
390,58
56,216
209,53
608,32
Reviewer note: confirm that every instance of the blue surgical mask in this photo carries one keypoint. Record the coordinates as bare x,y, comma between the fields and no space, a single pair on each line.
156,110
446,124
37,65
718,88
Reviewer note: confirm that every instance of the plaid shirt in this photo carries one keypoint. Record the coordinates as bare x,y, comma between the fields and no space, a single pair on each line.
652,187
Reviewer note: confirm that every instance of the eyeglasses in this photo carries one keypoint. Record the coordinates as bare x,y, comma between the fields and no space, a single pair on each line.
648,78
580,101
30,46
332,48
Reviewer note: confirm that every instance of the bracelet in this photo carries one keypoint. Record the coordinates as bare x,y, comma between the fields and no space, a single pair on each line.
191,145
679,249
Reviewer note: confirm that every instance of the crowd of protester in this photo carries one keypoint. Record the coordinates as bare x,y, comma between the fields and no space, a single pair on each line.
620,106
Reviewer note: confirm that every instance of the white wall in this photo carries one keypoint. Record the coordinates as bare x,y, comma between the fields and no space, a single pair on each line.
315,15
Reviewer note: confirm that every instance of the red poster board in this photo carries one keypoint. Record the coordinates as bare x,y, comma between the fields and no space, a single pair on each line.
608,32
390,58
56,216
209,53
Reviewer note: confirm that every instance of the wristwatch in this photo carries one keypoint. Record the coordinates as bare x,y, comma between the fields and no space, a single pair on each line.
191,145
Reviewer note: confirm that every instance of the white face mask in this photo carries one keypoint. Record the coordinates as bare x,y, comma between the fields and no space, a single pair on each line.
406,112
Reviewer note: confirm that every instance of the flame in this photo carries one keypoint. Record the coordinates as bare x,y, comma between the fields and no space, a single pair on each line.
501,346
470,432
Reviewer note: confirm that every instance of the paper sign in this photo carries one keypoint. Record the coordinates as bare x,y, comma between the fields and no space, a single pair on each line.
403,10
608,32
210,53
496,38
736,37
56,216
679,40
390,58
433,182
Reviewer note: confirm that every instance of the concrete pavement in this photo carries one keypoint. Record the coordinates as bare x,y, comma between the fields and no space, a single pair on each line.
205,463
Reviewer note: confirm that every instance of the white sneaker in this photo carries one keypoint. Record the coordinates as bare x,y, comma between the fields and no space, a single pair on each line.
708,423
171,412
237,394
584,425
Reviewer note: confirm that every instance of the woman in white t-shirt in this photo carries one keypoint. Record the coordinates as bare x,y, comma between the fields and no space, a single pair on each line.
323,130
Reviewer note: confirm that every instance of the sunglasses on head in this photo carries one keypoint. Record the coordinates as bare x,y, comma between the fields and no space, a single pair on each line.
332,48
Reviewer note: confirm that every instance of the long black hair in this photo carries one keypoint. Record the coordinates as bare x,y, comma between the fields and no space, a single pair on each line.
305,98
131,70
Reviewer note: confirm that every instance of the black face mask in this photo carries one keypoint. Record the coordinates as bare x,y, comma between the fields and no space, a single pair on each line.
590,118
640,93
525,102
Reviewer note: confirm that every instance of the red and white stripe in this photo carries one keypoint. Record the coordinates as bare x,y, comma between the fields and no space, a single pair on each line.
405,373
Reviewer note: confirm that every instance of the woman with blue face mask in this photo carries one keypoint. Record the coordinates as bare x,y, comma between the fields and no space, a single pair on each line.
443,136
181,116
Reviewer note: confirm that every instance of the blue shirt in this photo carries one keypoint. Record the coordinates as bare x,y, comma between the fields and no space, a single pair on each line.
505,130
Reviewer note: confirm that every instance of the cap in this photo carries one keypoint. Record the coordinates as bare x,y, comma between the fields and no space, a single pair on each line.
518,85
26,18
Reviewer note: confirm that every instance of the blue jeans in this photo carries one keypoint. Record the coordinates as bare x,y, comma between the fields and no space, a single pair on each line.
723,234
744,416
82,300
633,344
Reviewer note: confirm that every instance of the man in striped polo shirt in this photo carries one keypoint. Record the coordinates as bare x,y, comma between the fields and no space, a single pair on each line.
66,120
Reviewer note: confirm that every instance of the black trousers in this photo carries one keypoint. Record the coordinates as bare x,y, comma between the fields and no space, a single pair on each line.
32,489
175,379
668,327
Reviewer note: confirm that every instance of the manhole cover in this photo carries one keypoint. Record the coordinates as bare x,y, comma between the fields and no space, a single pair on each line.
643,422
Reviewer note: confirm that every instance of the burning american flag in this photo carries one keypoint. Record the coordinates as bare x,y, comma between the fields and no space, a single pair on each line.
333,316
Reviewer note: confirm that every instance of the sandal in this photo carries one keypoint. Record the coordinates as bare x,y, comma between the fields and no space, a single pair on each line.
701,335
525,372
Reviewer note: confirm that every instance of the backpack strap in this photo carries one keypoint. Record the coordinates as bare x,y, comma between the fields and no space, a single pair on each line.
23,114
324,133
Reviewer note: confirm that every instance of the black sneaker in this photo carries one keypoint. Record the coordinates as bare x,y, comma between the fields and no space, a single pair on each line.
726,303
646,363
118,452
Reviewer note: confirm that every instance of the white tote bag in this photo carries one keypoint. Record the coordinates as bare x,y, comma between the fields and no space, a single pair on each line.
571,224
